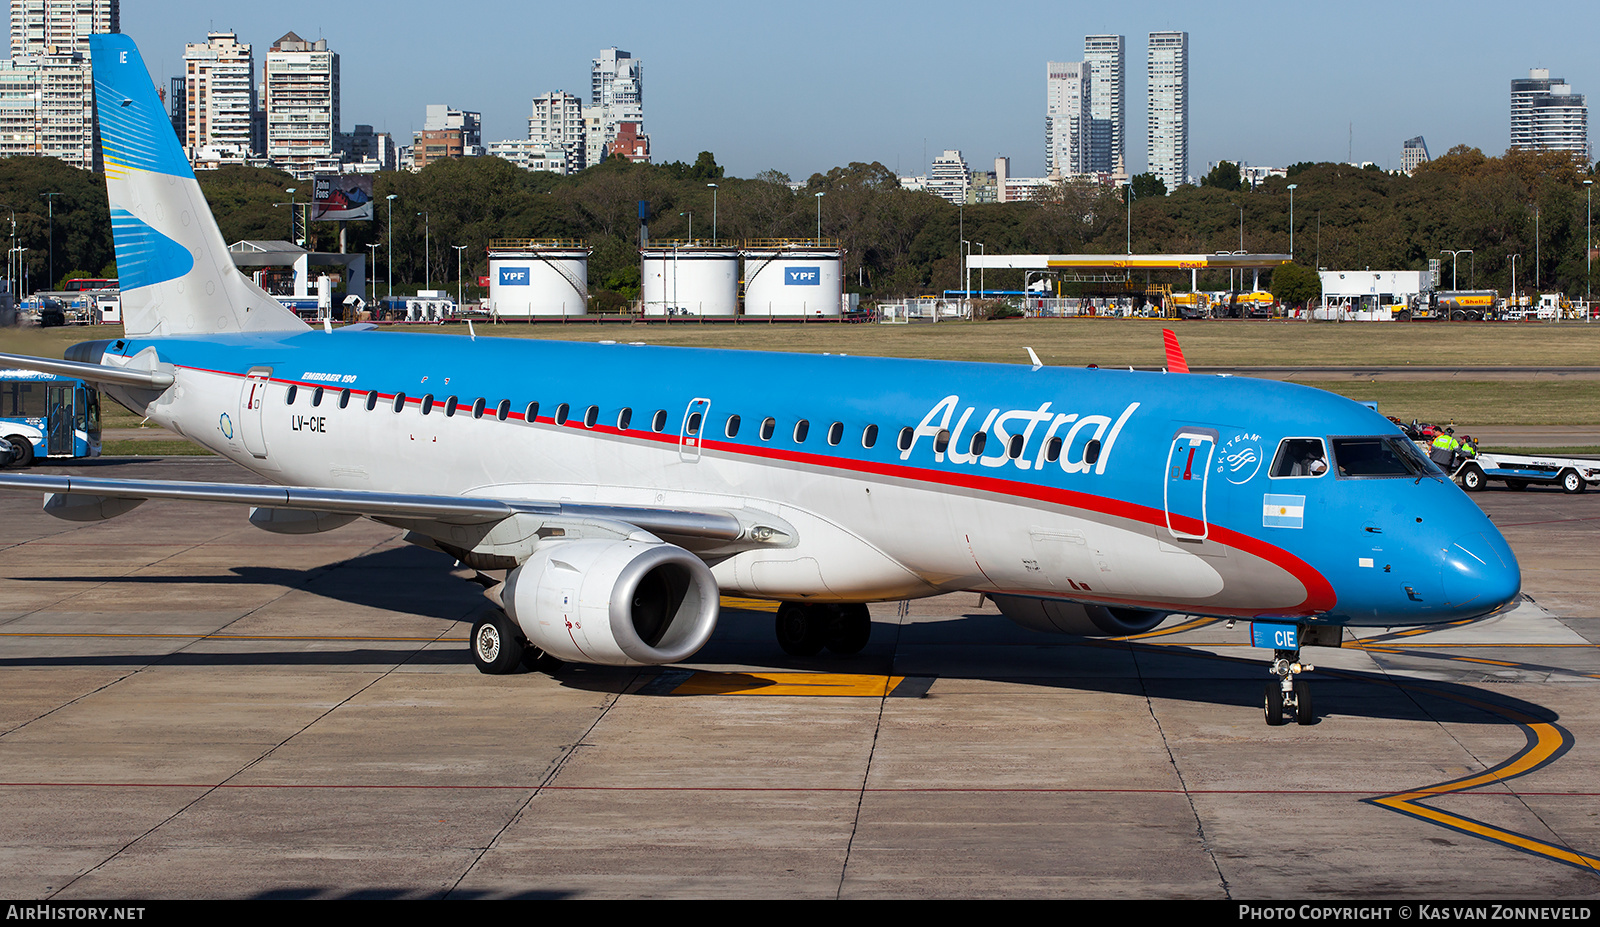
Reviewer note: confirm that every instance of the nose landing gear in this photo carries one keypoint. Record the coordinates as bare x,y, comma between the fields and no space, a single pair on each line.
1288,692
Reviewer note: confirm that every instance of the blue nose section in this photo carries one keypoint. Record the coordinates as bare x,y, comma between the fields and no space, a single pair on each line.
1480,574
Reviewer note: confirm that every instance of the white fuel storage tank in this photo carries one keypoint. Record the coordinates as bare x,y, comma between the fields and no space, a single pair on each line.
689,279
793,278
538,277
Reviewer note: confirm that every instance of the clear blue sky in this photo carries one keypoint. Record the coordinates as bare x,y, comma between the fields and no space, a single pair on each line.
804,87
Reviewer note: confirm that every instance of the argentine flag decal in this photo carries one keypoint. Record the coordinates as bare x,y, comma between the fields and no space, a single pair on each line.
145,256
1283,511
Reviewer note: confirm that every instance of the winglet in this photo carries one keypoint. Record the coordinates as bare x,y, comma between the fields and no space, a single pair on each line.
1175,361
1037,363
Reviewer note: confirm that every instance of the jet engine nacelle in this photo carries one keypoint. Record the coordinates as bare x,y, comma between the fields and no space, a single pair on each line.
619,603
1054,617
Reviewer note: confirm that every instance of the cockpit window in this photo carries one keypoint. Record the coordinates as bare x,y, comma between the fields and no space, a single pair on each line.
1381,456
1299,457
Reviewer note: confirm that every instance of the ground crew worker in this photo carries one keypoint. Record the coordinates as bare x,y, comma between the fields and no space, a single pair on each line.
1444,449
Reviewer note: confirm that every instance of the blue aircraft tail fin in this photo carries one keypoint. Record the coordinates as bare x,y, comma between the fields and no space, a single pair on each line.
176,274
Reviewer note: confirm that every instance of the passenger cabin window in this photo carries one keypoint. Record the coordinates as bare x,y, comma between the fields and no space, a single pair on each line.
477,408
1052,449
399,401
316,397
1014,450
658,422
768,426
427,403
732,428
835,433
1300,457
591,416
979,442
801,428
288,398
344,398
906,435
530,413
869,436
561,413
372,400
503,410
693,425
941,441
1091,451
624,419
450,406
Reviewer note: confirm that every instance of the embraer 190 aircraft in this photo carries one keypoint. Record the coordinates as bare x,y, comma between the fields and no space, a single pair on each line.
623,488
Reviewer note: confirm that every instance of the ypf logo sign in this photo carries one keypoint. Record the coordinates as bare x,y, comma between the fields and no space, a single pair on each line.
513,276
802,276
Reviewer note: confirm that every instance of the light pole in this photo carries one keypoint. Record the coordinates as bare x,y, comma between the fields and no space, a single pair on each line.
1514,301
19,252
372,277
981,252
1291,219
459,249
294,215
691,225
819,217
1453,256
427,270
11,281
50,198
1589,237
966,272
713,212
389,233
1130,218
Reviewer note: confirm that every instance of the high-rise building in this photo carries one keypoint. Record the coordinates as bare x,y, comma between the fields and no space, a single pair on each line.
1107,107
557,124
616,85
446,133
219,99
949,177
1168,127
1547,116
1066,118
1413,154
302,106
46,27
47,87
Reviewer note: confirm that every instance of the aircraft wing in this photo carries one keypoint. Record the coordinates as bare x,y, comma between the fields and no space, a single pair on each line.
502,528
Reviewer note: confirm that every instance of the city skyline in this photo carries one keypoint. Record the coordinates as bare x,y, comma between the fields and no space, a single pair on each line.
1259,93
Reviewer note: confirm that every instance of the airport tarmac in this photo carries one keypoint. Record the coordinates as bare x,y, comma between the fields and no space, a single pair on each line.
193,708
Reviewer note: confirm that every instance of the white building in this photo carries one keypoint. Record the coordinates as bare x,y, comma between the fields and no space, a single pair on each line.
949,177
441,118
531,155
1413,154
616,85
219,98
1066,118
1547,116
47,88
1107,105
557,125
302,103
1168,93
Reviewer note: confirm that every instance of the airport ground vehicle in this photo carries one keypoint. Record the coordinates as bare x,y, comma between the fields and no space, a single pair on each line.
1572,474
45,415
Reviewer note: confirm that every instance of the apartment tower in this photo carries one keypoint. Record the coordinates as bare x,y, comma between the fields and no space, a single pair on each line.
1168,96
1107,110
1066,118
219,98
1547,116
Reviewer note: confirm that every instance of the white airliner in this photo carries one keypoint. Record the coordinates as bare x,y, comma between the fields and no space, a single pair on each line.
623,488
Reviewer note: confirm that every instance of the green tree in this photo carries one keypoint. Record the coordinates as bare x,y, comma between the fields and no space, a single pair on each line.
1148,186
1295,284
1225,176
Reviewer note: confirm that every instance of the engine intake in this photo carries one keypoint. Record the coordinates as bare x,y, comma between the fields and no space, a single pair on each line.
618,603
1054,617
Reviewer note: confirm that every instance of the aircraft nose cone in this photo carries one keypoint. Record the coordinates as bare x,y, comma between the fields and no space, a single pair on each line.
1480,573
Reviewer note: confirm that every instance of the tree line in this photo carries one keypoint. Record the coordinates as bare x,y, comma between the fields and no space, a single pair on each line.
898,242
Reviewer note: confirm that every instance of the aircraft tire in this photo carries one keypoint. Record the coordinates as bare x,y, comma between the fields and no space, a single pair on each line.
1472,478
1303,712
849,630
496,647
24,448
1272,704
1571,481
801,628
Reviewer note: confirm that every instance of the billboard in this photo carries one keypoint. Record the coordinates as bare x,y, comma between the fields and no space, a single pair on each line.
342,198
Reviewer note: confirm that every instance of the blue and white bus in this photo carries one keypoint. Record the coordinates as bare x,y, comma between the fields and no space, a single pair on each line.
46,416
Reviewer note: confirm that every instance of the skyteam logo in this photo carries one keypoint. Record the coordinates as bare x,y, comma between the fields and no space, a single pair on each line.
513,276
802,276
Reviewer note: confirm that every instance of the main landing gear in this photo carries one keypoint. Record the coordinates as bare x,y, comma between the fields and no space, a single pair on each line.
1288,692
803,630
498,647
